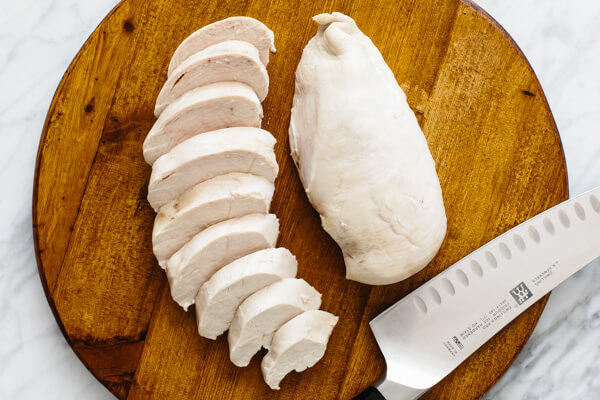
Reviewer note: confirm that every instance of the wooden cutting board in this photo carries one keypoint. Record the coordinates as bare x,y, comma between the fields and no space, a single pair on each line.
491,133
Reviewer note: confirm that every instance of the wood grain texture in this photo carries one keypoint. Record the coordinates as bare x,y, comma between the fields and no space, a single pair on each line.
497,150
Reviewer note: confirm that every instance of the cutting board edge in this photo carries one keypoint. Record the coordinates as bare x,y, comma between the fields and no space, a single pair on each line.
513,43
34,214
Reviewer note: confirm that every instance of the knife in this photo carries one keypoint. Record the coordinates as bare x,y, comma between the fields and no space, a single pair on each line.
431,331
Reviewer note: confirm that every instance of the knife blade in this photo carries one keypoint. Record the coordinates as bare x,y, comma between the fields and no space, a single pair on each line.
432,330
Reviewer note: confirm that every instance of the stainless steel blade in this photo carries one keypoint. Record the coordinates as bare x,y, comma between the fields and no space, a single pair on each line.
432,330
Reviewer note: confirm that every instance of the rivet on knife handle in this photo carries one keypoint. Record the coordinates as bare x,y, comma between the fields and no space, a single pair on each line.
435,328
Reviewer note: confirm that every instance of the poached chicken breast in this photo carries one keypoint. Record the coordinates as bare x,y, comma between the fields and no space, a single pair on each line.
222,294
297,345
202,157
362,157
262,313
232,28
230,61
215,200
214,248
208,108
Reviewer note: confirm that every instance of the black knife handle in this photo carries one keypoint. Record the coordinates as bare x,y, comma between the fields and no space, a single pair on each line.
369,393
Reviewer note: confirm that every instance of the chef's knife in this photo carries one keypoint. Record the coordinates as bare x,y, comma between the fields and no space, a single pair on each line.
428,333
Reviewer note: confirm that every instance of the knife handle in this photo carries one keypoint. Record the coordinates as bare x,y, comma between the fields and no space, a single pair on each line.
369,393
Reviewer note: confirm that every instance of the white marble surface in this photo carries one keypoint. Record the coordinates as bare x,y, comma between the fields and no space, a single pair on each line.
38,39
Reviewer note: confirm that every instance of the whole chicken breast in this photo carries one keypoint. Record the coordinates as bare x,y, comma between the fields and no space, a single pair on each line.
362,157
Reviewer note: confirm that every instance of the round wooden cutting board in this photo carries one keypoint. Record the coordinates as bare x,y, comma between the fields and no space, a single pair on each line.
491,133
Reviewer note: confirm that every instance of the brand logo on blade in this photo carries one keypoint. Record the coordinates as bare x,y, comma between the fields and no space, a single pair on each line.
521,293
458,343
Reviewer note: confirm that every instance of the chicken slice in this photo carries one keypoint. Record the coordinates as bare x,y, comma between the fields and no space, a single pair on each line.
215,200
232,60
264,312
362,158
215,247
233,28
211,107
206,156
297,345
220,296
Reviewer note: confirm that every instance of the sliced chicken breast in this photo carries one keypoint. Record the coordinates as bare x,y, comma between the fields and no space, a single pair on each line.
215,247
220,296
297,345
362,157
232,60
215,200
264,312
211,154
233,28
211,107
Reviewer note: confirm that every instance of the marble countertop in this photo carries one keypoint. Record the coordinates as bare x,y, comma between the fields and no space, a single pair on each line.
39,38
